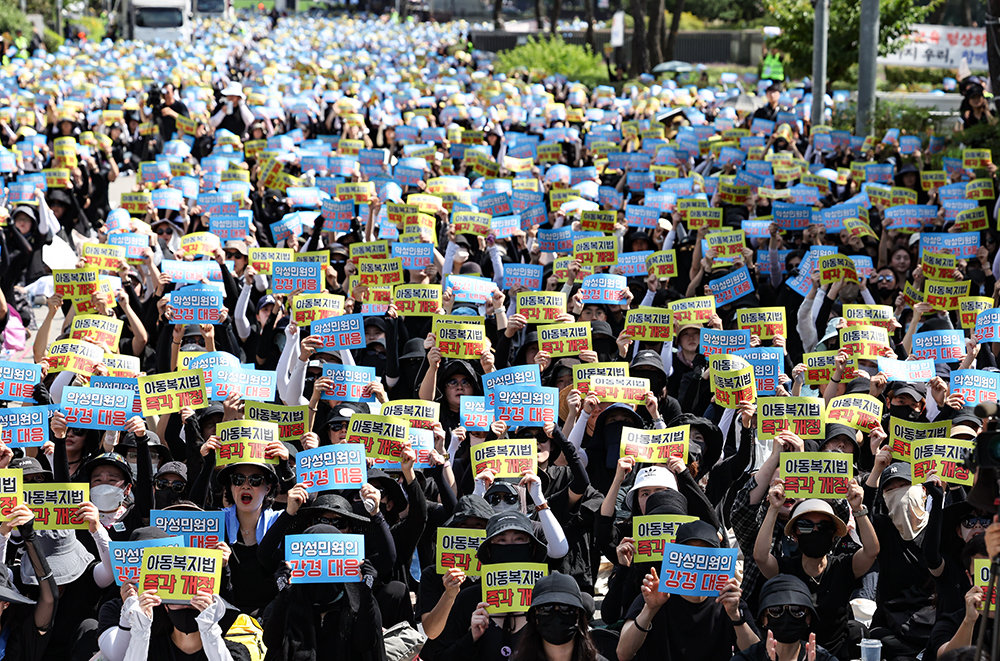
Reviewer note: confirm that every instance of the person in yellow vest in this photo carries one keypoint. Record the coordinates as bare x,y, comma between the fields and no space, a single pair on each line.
771,66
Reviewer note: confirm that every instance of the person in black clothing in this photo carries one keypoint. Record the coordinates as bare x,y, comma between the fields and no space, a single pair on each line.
232,113
558,624
770,110
787,612
170,109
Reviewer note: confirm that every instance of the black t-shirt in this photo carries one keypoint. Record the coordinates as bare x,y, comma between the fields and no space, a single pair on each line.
684,630
832,592
169,124
904,584
78,601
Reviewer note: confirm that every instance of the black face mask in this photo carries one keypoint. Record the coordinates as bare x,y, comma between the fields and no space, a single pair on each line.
612,436
788,629
903,412
165,497
322,595
512,553
183,619
372,358
815,544
556,628
307,388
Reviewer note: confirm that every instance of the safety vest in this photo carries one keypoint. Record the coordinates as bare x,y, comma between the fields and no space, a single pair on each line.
772,68
22,44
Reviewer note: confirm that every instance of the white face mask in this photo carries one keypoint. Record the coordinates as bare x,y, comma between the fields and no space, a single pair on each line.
107,497
907,509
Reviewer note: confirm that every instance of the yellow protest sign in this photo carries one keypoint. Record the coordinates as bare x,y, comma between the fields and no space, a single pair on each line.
456,549
727,244
471,222
864,342
592,220
564,339
292,421
655,446
938,265
833,268
75,284
507,457
359,192
765,323
943,456
732,380
540,306
646,324
200,243
307,308
11,490
869,315
824,475
383,436
74,356
969,308
507,586
380,272
702,216
974,159
137,204
584,372
56,504
803,416
97,329
944,294
662,264
596,251
697,310
419,413
417,300
262,259
652,532
820,365
170,392
104,257
862,412
179,573
971,220
460,340
370,250
245,442
623,389
904,433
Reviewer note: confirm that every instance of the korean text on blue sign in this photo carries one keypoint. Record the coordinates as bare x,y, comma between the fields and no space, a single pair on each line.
524,276
723,341
413,255
332,467
201,530
343,332
944,346
25,426
306,277
975,385
196,304
526,406
695,571
604,288
17,381
259,385
120,382
767,363
348,382
474,414
96,408
520,375
732,287
127,556
988,326
333,558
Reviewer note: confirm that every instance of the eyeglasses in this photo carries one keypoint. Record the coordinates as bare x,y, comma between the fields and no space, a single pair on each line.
805,526
255,480
509,498
798,612
457,383
971,522
556,609
173,485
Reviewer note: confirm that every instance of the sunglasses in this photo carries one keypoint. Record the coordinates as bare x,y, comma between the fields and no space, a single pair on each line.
797,612
556,609
255,480
883,278
805,526
338,426
971,522
509,498
334,521
233,254
172,485
164,230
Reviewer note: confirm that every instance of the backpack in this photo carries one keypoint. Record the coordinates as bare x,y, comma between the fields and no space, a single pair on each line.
245,639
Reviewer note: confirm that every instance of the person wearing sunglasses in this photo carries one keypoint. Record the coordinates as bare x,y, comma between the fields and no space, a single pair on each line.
170,484
663,626
787,612
558,623
832,577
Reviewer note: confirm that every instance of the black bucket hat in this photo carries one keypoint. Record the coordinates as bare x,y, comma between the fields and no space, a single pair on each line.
785,590
505,522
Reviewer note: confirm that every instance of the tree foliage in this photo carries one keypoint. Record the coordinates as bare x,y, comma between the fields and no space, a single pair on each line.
547,56
795,18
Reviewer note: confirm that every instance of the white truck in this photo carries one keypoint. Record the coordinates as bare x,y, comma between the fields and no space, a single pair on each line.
213,8
154,20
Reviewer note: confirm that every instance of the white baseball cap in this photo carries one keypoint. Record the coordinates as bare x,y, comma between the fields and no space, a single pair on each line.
650,476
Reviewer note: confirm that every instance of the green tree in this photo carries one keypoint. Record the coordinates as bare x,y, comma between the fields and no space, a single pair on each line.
795,18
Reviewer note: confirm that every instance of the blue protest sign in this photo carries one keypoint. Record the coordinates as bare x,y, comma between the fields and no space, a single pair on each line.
229,226
523,276
333,558
415,256
961,244
988,326
339,466
696,571
642,216
473,413
348,382
911,371
196,304
517,376
337,215
17,381
25,426
975,385
258,385
714,341
343,332
96,408
120,383
135,244
944,346
306,277
604,288
732,287
167,198
767,363
201,530
631,264
127,556
526,406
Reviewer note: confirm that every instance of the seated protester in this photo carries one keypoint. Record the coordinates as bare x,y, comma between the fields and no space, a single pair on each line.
437,594
74,444
170,484
447,381
111,484
250,488
961,626
175,631
905,600
26,625
663,626
558,624
470,632
787,612
830,577
325,620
